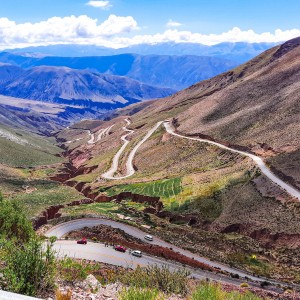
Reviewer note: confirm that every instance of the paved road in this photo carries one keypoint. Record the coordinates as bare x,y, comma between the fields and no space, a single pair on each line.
62,229
259,162
98,252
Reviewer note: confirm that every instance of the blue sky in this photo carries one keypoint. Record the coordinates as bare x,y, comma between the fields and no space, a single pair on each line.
117,23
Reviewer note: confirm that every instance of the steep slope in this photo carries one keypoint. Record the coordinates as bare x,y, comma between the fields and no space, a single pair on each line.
255,105
175,72
82,88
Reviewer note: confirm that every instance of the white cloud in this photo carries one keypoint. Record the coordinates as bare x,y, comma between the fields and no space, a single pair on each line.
172,23
99,4
233,35
113,31
66,30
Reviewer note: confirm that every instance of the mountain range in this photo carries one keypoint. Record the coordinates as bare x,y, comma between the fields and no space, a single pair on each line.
175,72
238,52
76,87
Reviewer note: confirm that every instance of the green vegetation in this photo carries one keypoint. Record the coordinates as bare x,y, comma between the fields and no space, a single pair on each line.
160,278
105,208
27,155
212,291
14,224
71,270
45,193
109,209
164,188
252,263
27,266
134,293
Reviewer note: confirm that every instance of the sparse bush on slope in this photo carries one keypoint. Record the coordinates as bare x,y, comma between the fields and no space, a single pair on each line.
30,269
29,266
212,291
14,223
160,278
134,293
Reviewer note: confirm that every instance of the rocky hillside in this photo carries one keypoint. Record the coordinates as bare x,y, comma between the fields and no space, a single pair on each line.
255,105
78,87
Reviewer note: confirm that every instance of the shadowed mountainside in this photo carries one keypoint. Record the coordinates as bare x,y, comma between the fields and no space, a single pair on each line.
174,72
79,87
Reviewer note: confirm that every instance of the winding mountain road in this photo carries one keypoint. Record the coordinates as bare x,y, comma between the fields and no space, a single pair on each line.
115,163
258,161
130,169
96,251
129,164
101,133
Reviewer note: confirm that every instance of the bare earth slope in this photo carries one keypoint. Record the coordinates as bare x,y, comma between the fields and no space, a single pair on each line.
255,105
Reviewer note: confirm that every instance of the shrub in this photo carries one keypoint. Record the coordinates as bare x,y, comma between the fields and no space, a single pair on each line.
71,270
213,291
157,277
244,285
134,293
30,268
14,223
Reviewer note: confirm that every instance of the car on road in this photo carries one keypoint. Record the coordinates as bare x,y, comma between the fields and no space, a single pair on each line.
82,241
148,237
137,253
120,248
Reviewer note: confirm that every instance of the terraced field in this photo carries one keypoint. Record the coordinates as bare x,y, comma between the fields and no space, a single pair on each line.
165,188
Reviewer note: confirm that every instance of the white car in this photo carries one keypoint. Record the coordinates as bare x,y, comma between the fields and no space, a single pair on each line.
148,237
137,253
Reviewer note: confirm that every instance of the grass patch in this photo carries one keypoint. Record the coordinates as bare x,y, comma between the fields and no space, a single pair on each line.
105,208
30,150
45,193
160,278
133,293
212,291
164,188
252,263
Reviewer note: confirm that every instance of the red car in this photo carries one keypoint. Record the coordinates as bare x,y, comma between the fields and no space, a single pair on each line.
120,248
82,241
